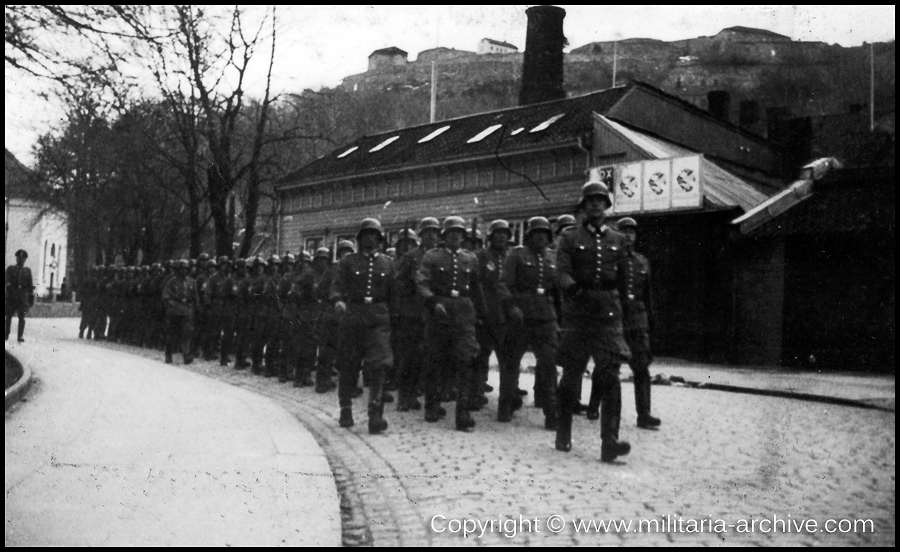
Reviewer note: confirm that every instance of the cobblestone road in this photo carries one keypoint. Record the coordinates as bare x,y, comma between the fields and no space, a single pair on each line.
721,460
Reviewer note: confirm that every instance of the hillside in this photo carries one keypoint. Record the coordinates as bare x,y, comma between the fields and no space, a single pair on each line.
768,76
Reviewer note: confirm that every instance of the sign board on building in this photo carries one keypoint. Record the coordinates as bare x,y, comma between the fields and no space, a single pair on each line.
653,185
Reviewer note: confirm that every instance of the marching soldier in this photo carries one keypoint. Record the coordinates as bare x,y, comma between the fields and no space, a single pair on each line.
243,319
19,293
637,307
256,300
492,334
407,327
285,360
180,298
309,285
449,284
362,293
589,274
563,222
222,291
328,321
303,307
531,313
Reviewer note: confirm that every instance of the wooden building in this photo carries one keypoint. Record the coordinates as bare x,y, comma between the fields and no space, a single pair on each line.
532,160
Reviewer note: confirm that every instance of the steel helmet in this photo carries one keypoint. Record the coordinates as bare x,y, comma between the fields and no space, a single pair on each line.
454,223
345,244
322,253
563,222
259,261
429,223
391,252
240,263
499,225
211,263
290,259
370,225
224,259
274,259
305,257
407,234
183,263
538,224
626,222
595,188
203,258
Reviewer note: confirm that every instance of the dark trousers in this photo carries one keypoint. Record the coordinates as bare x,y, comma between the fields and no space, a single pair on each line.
365,342
243,323
576,349
408,335
540,337
260,329
452,348
223,324
180,330
300,349
17,308
491,339
327,338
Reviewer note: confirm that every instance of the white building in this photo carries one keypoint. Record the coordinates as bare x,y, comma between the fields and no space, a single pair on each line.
491,46
43,235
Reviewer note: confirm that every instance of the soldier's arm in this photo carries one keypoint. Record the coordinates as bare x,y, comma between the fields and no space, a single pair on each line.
477,294
510,274
563,274
648,298
423,280
339,283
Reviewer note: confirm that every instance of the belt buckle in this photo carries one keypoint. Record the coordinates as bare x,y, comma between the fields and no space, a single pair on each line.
541,291
454,293
367,300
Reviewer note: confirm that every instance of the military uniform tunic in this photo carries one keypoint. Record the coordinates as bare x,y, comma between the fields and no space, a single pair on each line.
364,282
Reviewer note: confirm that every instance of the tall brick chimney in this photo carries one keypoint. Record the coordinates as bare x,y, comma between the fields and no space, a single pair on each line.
542,70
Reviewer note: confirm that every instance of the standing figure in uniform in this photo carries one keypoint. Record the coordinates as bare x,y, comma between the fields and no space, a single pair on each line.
412,356
303,308
19,293
362,293
589,274
637,307
449,284
531,319
180,298
492,334
222,290
327,327
243,316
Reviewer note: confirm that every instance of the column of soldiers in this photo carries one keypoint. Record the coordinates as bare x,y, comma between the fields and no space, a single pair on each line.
427,318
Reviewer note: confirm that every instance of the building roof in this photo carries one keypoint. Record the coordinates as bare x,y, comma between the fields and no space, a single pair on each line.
501,43
854,201
721,187
545,126
391,51
752,30
517,134
17,178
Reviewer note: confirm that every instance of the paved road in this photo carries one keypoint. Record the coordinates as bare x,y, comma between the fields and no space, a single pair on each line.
114,449
721,462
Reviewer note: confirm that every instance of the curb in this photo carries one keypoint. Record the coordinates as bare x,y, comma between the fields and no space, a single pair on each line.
19,389
788,395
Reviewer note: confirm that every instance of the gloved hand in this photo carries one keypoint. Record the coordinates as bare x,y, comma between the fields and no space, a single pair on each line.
440,311
516,317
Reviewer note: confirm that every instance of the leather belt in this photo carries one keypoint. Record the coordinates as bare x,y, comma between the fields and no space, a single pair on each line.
454,294
366,301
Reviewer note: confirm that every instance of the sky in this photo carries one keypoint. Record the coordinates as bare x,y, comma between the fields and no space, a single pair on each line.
319,45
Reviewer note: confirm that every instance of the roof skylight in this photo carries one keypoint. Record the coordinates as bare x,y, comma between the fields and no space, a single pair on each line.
546,124
483,134
348,152
434,134
384,144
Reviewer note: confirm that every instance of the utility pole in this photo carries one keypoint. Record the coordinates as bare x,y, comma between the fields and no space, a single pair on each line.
615,60
872,87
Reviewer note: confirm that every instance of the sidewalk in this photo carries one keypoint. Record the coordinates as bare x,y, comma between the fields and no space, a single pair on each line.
112,449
